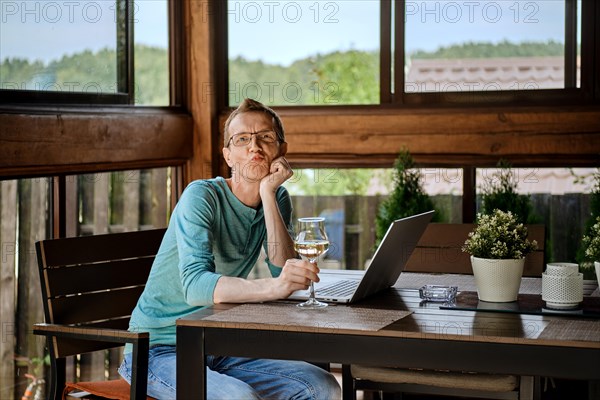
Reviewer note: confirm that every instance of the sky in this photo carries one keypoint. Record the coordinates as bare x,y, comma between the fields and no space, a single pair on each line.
46,30
278,32
291,30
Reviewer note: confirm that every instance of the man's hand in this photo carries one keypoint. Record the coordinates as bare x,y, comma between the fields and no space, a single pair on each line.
295,275
279,172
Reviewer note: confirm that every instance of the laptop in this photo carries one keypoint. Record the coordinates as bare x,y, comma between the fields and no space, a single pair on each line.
388,262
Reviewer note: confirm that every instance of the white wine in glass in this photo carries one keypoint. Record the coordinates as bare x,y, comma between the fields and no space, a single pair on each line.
311,242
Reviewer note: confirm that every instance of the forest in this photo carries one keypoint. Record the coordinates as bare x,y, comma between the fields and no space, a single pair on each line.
325,79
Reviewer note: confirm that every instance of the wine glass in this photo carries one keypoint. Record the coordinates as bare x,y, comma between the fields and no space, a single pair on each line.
311,242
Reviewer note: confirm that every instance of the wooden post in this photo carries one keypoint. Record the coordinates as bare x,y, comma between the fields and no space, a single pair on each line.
160,201
101,204
72,205
469,198
33,212
131,200
116,201
72,229
8,251
92,365
86,194
353,232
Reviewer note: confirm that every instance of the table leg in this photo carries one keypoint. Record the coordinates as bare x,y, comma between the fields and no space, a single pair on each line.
191,363
594,389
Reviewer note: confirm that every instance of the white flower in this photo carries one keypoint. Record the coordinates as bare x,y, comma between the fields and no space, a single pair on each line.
499,236
592,242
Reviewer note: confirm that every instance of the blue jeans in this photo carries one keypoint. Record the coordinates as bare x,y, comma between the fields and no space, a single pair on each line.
240,378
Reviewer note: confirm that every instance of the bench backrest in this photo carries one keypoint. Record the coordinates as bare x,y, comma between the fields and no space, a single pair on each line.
94,281
439,250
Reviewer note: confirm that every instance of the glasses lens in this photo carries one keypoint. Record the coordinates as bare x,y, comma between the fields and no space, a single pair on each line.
241,139
266,137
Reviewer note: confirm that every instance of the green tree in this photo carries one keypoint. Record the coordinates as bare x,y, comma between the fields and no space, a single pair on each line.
329,182
341,77
492,50
500,192
407,197
319,79
587,265
17,73
151,76
338,73
92,72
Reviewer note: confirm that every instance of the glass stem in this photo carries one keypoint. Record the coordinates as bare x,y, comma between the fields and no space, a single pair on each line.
312,283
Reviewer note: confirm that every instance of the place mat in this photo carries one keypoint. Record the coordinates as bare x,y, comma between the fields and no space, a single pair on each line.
334,317
525,304
572,329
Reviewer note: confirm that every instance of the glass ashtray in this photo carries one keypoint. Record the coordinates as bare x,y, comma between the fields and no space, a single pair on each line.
438,293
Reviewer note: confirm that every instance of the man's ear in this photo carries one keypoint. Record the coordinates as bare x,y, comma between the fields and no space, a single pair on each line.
283,149
227,156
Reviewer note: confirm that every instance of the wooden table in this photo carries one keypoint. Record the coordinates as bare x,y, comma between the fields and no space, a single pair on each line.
539,345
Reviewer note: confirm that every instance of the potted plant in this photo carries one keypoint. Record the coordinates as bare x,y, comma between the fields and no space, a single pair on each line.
498,246
591,242
586,256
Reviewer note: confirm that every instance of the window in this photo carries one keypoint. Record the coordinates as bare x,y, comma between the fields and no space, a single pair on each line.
151,75
487,46
294,53
304,52
83,52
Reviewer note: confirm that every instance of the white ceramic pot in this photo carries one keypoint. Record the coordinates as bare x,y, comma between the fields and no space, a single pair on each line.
597,265
497,280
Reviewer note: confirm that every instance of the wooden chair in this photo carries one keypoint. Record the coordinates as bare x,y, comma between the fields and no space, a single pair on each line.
90,285
439,250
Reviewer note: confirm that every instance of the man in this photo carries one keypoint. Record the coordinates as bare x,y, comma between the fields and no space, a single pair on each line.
213,240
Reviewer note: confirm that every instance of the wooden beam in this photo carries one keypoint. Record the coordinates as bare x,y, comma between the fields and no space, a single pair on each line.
202,89
39,143
551,136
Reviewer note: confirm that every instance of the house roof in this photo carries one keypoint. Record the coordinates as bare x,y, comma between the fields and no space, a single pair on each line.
508,73
556,181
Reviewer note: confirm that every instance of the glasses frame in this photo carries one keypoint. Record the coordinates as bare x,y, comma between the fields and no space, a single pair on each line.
253,134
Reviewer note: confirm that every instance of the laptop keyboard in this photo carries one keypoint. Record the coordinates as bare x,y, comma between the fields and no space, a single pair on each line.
338,289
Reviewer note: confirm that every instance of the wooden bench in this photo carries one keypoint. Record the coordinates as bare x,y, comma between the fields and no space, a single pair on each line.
90,285
439,250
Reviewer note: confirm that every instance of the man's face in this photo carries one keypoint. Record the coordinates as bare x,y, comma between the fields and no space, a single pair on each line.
250,159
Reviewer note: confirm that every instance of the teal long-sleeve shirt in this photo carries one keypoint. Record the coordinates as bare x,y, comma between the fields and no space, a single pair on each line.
210,234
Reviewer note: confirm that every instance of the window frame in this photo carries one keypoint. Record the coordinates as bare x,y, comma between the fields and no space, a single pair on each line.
125,72
582,95
550,127
42,136
588,93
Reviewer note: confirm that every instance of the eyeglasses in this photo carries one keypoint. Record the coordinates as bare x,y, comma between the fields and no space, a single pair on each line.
245,138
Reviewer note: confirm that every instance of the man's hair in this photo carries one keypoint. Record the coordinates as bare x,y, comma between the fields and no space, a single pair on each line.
249,105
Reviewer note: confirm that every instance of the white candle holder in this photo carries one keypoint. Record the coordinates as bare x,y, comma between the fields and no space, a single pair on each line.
562,286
